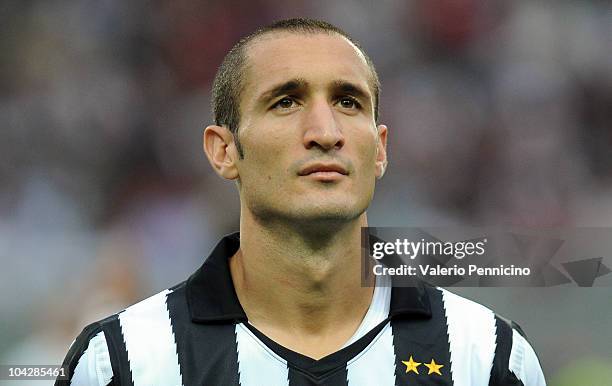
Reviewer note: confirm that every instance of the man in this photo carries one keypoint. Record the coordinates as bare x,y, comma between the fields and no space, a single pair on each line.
282,303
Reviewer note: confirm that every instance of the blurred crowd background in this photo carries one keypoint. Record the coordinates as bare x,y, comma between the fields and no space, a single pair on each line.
500,112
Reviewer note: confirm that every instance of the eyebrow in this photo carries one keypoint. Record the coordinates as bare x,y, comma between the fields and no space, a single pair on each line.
287,87
344,87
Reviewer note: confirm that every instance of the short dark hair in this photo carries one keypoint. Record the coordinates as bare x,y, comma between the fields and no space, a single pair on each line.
229,80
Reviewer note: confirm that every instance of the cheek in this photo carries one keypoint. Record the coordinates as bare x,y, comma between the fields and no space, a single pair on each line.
261,168
367,153
268,151
263,140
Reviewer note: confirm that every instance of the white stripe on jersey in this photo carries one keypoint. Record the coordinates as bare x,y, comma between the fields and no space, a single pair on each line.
524,362
375,365
378,310
150,343
94,366
471,338
257,364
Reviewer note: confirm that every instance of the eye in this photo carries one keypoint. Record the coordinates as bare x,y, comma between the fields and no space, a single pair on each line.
285,103
349,103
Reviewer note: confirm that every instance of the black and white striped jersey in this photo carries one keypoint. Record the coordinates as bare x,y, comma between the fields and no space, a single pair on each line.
197,333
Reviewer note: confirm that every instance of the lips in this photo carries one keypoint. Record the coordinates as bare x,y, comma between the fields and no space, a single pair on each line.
323,169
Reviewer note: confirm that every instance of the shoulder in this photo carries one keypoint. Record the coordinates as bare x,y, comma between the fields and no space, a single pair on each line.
465,314
489,340
88,360
98,356
472,320
140,320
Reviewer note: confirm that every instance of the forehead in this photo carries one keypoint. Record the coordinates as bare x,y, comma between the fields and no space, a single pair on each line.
318,58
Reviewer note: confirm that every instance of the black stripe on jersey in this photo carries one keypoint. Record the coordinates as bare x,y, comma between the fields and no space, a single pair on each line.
424,340
76,351
299,377
207,353
500,375
503,347
122,373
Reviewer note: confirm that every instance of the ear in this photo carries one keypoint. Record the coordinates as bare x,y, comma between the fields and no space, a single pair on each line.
381,151
221,151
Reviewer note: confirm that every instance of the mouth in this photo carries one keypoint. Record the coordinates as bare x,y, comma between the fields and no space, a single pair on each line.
324,171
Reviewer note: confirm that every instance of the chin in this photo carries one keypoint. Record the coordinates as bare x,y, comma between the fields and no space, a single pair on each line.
329,213
311,210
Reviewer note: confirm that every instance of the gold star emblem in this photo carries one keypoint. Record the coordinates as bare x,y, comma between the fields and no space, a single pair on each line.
411,365
433,367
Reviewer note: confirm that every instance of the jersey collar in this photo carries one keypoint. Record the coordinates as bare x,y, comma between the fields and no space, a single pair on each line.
211,296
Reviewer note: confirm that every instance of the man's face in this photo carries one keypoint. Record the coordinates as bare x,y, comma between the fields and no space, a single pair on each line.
312,150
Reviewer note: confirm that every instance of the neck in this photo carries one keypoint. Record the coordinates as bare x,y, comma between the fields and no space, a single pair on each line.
298,282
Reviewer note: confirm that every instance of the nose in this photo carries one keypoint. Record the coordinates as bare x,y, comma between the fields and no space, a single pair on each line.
321,128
